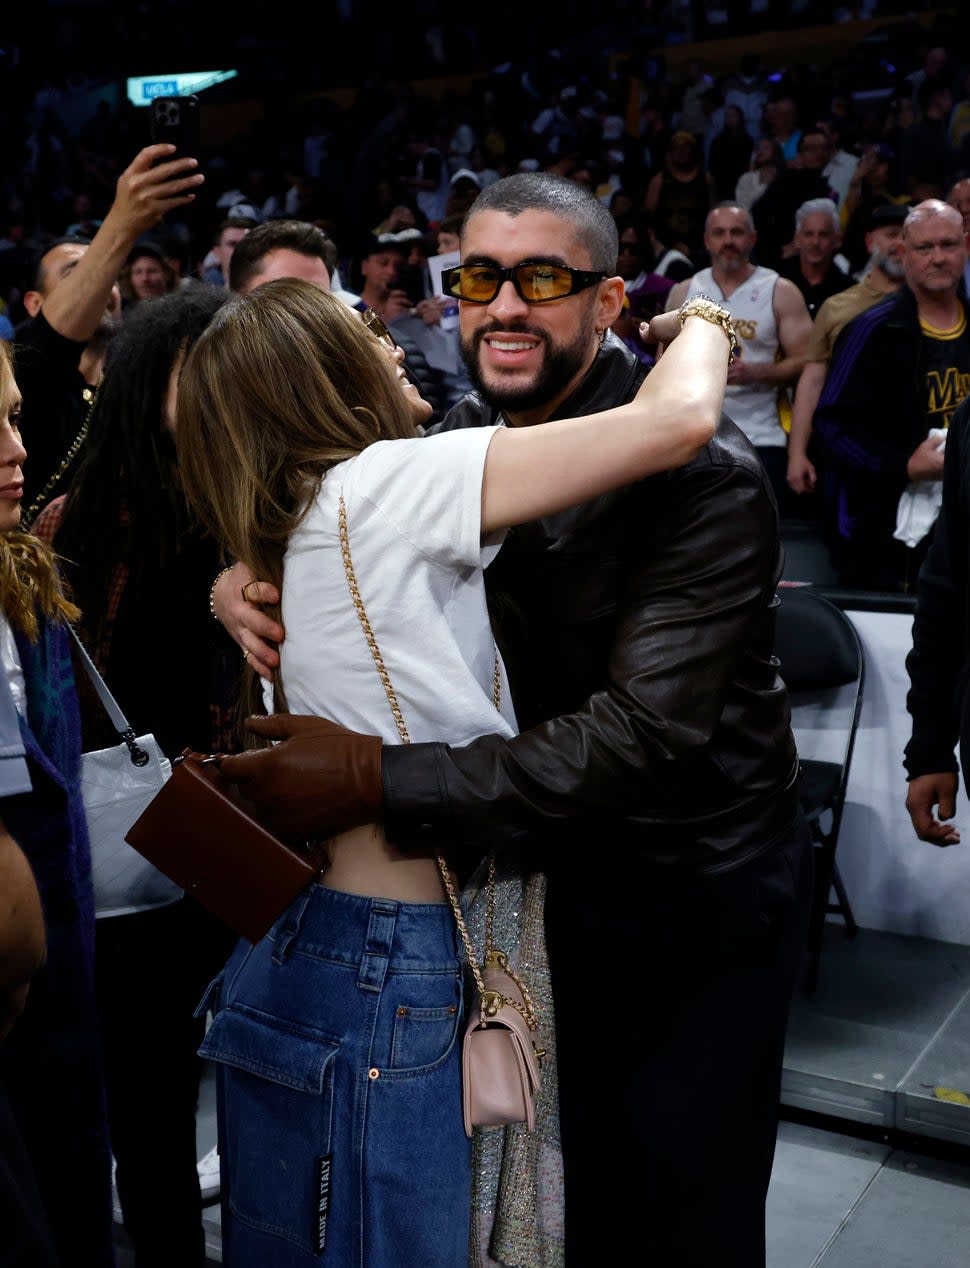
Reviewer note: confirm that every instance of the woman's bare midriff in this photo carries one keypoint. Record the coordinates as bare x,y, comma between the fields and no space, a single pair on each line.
363,862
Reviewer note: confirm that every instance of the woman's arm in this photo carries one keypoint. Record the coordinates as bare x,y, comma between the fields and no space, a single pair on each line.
531,472
22,935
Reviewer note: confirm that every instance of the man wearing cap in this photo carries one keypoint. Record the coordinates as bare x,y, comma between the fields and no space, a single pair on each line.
871,186
884,275
898,372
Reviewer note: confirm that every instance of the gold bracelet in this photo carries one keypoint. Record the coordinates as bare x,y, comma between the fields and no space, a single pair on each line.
212,591
710,310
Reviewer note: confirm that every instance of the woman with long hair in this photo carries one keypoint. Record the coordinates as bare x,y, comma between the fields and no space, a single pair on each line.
140,572
50,1064
338,1033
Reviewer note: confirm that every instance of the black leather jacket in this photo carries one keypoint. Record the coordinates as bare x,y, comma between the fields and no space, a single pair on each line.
638,633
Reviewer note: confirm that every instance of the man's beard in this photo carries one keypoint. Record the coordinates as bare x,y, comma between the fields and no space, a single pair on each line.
560,365
891,265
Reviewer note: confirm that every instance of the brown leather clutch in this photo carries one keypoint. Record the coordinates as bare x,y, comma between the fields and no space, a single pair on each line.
198,832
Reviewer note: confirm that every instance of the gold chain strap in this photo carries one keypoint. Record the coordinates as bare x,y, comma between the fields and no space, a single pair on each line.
492,957
90,395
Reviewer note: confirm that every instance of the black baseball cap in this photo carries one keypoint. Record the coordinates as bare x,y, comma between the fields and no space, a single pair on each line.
888,214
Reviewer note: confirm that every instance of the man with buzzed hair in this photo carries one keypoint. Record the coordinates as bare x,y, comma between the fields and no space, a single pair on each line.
773,327
654,776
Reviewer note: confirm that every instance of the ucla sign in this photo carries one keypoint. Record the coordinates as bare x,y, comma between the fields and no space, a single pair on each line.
143,89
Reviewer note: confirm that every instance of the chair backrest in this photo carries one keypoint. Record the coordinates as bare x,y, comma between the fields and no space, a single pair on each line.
815,642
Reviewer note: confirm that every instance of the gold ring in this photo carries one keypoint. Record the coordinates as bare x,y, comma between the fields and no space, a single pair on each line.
245,596
245,656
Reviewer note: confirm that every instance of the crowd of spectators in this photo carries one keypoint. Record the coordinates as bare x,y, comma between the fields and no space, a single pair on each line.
827,207
811,153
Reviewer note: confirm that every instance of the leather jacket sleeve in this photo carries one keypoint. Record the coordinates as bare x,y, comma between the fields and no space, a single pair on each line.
688,686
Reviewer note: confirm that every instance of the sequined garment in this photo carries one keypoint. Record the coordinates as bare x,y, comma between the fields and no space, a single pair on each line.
517,1181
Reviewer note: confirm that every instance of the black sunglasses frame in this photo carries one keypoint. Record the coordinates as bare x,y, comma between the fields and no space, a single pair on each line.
581,280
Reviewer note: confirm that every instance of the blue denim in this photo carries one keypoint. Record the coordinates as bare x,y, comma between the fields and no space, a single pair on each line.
341,1135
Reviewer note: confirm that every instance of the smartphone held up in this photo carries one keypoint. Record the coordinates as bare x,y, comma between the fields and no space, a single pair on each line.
175,121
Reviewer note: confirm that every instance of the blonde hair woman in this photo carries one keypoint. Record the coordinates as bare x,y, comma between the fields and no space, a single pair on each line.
50,1064
338,1034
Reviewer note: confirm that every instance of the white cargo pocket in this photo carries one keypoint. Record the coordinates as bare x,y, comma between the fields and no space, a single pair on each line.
277,1100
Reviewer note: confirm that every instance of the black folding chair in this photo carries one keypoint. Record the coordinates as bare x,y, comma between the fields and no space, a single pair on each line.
819,653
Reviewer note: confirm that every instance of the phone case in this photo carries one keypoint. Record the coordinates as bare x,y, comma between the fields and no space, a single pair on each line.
175,121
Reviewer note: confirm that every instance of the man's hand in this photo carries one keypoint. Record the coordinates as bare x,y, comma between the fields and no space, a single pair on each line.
144,193
925,792
430,310
926,462
741,372
318,780
244,620
801,474
397,304
76,305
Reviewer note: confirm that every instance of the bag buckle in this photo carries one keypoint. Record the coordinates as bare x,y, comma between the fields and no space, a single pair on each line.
137,754
492,1003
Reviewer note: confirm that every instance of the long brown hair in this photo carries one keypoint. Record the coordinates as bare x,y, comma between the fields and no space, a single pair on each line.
28,574
285,383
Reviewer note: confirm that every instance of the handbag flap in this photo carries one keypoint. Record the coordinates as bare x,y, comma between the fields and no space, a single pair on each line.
497,1083
201,837
109,774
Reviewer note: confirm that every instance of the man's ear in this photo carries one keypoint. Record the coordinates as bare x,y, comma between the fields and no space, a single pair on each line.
33,302
610,301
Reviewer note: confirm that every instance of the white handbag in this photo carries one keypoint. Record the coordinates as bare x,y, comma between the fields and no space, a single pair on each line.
116,785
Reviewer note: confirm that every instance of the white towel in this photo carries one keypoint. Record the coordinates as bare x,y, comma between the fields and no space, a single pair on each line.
920,503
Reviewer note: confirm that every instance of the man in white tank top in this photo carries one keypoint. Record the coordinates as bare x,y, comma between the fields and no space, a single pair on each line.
773,327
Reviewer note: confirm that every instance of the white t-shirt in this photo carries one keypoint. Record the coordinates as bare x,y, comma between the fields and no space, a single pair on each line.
414,525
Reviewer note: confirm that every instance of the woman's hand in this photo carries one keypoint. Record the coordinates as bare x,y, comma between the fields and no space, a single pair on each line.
236,602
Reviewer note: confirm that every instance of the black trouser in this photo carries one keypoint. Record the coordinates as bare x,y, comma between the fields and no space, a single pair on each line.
151,969
672,994
25,1239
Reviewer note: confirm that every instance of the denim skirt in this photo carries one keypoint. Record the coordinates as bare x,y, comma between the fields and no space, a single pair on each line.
337,1040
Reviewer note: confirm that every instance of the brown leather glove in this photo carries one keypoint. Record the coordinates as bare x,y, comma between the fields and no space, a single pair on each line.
319,780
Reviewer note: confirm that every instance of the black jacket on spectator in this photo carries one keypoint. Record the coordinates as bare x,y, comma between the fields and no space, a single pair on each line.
54,408
815,295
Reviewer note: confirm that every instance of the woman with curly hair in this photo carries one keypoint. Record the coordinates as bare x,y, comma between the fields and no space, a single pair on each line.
50,1065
